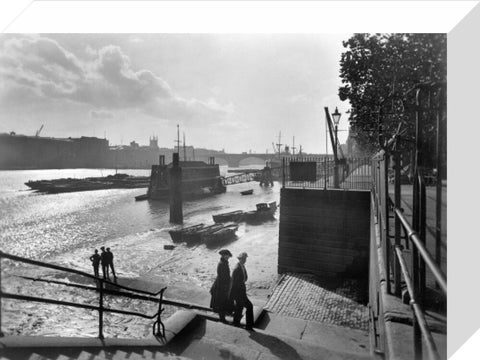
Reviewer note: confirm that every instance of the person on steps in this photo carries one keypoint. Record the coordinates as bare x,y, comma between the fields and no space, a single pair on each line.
238,293
220,301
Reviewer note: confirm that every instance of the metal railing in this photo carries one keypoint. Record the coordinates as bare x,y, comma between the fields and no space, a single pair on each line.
396,267
102,288
352,173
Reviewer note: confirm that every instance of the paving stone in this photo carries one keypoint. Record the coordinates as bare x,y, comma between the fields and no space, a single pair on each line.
303,296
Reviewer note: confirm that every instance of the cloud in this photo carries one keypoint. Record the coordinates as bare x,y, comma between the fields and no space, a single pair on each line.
104,80
101,114
299,99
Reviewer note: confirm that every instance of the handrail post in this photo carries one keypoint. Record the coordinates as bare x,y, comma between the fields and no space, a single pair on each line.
100,310
1,294
440,171
397,185
416,218
385,209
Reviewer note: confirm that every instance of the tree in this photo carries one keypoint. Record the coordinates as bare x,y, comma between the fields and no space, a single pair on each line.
378,72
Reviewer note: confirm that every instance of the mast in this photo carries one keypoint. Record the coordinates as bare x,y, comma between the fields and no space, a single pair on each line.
279,145
184,149
293,146
178,139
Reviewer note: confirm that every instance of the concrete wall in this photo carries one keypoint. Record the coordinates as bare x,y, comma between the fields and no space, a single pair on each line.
324,232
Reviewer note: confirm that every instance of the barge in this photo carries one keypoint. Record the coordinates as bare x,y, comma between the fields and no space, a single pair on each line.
117,181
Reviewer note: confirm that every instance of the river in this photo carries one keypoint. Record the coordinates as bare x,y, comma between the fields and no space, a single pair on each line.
64,229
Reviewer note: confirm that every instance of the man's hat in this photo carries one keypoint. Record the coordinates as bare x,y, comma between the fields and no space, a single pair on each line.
103,248
225,252
242,255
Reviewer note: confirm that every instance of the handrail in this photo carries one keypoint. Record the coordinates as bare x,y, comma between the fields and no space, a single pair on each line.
419,313
413,235
73,271
158,327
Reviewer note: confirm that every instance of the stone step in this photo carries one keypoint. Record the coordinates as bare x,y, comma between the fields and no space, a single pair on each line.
318,333
214,340
257,314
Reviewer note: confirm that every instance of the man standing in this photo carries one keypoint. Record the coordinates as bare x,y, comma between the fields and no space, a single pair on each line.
238,293
104,261
110,264
95,259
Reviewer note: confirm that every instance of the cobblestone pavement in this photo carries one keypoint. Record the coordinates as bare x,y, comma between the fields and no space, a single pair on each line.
306,297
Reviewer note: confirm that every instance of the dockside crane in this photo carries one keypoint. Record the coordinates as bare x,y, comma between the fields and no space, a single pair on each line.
37,133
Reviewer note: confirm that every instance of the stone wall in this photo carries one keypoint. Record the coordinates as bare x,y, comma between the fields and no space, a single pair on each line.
324,232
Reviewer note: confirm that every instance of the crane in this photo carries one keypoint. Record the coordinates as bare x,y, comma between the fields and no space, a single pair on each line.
37,133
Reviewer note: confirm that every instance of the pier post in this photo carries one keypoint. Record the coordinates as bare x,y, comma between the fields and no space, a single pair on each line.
176,206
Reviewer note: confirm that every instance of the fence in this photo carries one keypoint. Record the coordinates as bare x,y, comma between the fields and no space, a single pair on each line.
407,240
102,287
324,173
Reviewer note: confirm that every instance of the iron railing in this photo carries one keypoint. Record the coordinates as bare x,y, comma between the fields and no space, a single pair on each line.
103,287
414,232
352,173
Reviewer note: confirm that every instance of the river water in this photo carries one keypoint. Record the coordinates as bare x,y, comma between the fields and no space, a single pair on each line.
64,229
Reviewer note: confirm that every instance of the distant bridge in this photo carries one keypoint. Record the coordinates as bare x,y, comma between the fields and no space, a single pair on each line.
234,160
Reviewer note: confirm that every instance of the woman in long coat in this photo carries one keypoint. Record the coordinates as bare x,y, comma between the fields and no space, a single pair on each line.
220,302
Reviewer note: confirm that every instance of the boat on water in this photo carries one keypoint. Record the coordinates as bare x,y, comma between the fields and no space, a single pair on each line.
235,216
141,197
247,192
117,181
204,233
263,212
198,179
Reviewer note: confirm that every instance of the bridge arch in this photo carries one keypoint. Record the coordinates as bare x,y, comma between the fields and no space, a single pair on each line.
252,160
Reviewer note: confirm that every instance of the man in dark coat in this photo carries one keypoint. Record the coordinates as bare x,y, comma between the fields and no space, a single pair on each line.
104,262
95,259
220,302
238,293
110,263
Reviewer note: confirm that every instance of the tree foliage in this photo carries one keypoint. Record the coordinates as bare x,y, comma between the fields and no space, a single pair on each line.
378,72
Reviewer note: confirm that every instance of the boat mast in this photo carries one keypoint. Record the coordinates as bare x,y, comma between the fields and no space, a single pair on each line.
293,146
184,149
178,139
279,145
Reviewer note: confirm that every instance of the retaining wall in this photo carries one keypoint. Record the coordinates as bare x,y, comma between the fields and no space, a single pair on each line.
324,232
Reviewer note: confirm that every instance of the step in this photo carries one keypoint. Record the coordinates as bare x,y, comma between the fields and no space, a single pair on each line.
215,340
257,314
321,334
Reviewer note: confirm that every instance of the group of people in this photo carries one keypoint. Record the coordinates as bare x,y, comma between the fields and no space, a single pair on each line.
105,258
229,294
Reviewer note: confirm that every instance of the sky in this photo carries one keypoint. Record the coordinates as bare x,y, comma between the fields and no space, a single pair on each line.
232,92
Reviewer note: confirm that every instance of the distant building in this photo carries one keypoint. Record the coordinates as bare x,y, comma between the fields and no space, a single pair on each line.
34,152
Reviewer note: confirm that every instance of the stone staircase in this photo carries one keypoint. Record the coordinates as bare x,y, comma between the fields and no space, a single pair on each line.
192,335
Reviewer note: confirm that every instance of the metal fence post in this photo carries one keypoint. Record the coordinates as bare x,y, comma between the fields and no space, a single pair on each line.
100,310
385,209
397,185
1,297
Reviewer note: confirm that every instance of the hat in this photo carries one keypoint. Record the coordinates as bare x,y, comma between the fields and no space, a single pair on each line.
242,255
102,248
225,252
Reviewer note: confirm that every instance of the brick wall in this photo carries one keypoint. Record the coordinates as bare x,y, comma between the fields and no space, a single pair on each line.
324,232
